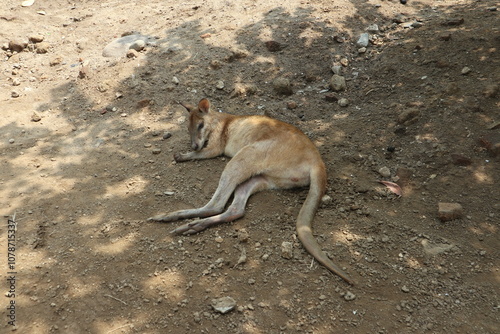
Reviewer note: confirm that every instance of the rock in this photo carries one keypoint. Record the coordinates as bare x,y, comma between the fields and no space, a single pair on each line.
36,38
119,47
132,53
220,85
435,249
363,40
349,296
336,69
362,50
12,141
326,200
273,46
384,172
343,102
16,82
175,80
83,72
243,235
215,64
42,48
405,289
286,250
466,70
373,29
35,117
453,22
449,211
337,83
282,86
291,105
14,94
223,305
167,135
138,45
17,46
55,61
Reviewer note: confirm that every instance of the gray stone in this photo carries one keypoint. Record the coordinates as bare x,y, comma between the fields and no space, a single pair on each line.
120,46
373,29
223,305
343,102
337,83
286,250
282,86
363,40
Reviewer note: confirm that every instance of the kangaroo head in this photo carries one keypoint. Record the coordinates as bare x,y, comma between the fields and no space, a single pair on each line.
199,126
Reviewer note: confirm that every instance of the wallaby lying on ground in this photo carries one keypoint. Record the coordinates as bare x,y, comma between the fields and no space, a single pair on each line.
266,154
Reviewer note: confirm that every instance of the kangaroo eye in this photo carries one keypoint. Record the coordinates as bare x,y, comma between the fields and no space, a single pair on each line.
200,126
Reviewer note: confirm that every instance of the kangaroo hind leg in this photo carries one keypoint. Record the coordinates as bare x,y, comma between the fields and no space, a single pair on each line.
234,211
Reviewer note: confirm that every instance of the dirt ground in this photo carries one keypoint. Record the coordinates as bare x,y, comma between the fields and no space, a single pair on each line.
87,147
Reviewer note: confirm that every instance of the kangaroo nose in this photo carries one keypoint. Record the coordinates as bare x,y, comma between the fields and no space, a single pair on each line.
195,146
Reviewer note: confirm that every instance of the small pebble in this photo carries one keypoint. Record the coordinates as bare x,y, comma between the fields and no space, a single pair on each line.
384,172
42,48
286,250
138,45
349,296
167,135
337,83
223,305
12,141
291,105
282,86
35,117
343,102
220,85
336,69
36,38
466,70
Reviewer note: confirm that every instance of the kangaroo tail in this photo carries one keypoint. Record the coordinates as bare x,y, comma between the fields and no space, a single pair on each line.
305,218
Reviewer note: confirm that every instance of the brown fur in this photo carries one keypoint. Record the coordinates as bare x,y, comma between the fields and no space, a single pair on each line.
266,154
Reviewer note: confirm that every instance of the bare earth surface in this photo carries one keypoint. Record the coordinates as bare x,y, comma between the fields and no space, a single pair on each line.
86,156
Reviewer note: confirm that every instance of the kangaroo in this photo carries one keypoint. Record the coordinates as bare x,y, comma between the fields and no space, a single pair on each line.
266,154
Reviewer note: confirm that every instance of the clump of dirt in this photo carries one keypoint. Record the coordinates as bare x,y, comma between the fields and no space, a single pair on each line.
87,147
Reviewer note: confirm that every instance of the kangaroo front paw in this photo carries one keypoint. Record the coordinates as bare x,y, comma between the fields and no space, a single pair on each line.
180,157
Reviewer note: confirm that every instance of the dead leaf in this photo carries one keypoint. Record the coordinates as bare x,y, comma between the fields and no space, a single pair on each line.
393,187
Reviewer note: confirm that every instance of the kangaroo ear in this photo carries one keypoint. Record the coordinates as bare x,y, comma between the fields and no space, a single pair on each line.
204,106
187,106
